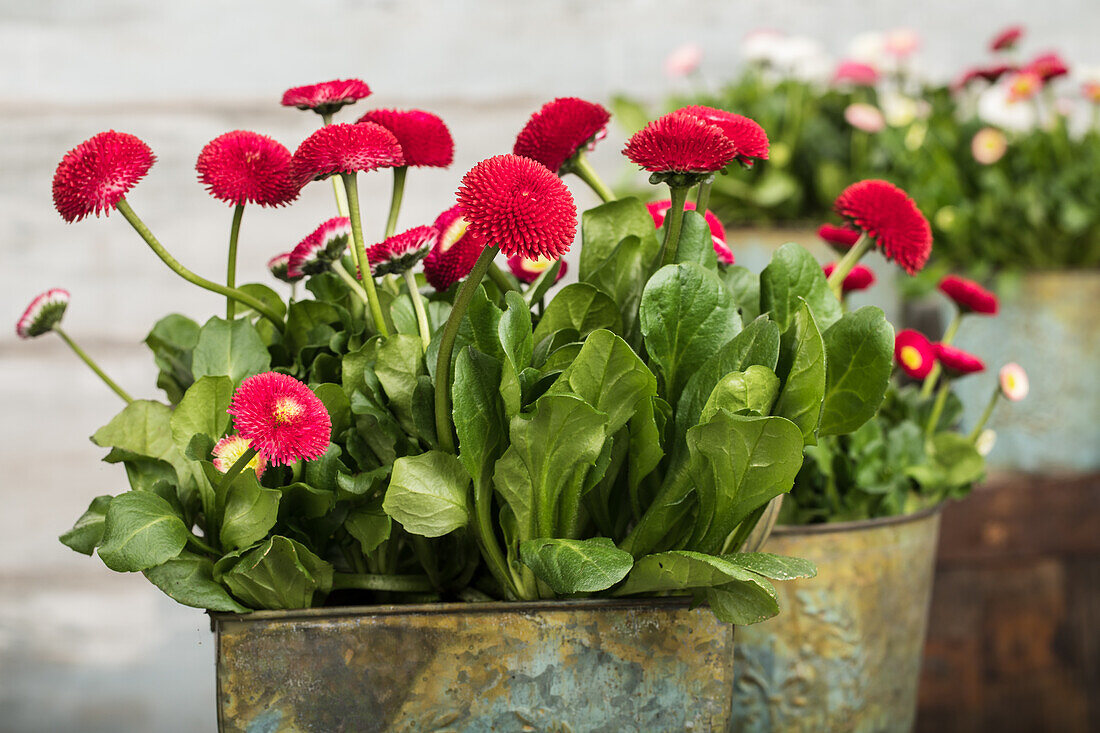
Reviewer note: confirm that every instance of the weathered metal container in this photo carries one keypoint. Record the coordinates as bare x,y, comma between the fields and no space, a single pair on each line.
845,653
607,665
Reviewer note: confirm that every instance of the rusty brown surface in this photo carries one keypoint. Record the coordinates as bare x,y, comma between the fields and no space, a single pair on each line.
566,666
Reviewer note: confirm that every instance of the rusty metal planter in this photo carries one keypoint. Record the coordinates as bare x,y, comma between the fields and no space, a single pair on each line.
845,653
607,665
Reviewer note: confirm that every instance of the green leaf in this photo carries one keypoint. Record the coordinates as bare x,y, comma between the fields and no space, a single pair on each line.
576,566
696,242
229,349
744,603
687,316
250,511
202,411
609,376
776,567
680,570
581,307
370,525
744,285
953,462
478,415
279,574
517,345
859,352
623,276
802,369
189,579
428,493
794,274
338,406
172,340
265,295
88,530
140,530
142,428
398,367
605,227
310,323
301,501
754,390
541,285
739,464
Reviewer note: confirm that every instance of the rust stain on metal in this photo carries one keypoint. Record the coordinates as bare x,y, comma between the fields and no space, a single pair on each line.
651,664
845,653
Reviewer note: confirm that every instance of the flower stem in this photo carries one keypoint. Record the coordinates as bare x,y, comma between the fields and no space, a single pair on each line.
395,200
337,189
201,546
948,337
238,295
937,410
977,431
360,250
443,428
231,265
213,523
850,259
367,581
418,306
702,199
673,220
500,279
338,268
93,366
584,171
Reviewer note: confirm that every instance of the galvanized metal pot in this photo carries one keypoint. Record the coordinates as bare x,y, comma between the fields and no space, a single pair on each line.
606,665
845,653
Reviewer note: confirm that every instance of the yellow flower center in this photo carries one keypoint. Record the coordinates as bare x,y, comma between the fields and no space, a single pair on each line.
537,265
910,357
286,410
229,451
453,234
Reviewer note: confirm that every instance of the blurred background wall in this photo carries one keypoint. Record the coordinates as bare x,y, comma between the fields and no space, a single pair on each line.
82,648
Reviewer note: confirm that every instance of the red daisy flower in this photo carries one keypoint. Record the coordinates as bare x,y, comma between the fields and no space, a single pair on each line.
519,206
659,209
747,136
230,448
454,253
346,149
957,362
680,143
561,129
1007,39
888,216
856,73
326,97
242,167
320,248
841,238
279,266
401,251
969,295
424,138
43,313
94,176
1048,66
281,417
988,73
914,353
528,271
860,278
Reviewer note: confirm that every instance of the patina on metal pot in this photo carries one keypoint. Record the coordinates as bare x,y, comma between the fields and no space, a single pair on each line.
594,665
845,653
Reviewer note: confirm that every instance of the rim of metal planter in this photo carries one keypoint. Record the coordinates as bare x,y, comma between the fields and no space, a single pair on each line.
786,530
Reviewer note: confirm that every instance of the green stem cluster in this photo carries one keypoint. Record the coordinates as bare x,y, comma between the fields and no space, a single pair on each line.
937,410
359,249
580,166
673,222
850,259
948,336
986,414
231,265
395,200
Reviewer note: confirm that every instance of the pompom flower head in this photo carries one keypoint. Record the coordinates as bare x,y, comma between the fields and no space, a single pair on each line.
968,295
1013,382
561,129
243,167
520,206
1047,66
281,417
43,313
346,149
840,238
401,251
680,144
889,217
94,176
279,266
230,448
1024,85
424,138
861,277
957,362
455,251
1007,39
327,97
527,271
320,248
747,136
914,353
659,209
855,73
